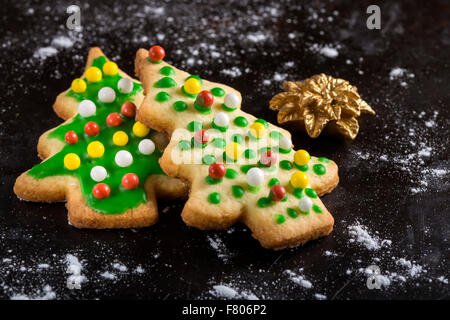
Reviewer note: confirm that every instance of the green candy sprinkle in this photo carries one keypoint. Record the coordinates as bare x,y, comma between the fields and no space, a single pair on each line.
180,106
167,71
165,82
238,191
298,193
279,218
249,154
273,181
286,165
317,209
218,92
305,213
208,159
219,143
310,193
210,180
231,174
319,169
163,96
246,167
302,168
237,138
292,213
214,198
184,145
276,135
264,122
240,121
194,126
323,159
264,202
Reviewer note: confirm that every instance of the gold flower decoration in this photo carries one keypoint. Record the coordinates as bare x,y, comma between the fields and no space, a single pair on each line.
320,101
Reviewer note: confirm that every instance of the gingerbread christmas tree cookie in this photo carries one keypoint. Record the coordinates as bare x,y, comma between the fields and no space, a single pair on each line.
240,168
102,161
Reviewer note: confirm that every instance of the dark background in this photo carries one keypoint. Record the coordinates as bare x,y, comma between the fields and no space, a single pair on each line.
394,176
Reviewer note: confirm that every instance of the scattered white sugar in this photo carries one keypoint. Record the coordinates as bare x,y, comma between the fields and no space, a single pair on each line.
225,291
256,37
62,41
330,254
45,52
119,266
413,269
139,269
108,275
46,294
397,73
443,279
279,76
361,235
74,268
232,72
289,64
299,279
266,82
43,266
319,296
328,51
217,244
158,11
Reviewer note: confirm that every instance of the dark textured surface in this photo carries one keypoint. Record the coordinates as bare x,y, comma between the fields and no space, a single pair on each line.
383,172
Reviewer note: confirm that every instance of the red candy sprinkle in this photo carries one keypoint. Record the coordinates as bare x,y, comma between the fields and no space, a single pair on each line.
91,128
268,158
114,119
201,136
217,171
130,181
278,192
156,53
205,99
128,109
101,191
71,137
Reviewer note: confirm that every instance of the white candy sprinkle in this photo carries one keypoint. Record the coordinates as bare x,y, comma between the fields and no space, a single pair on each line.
146,146
123,158
87,108
221,119
125,85
305,204
231,100
285,143
255,177
98,173
107,95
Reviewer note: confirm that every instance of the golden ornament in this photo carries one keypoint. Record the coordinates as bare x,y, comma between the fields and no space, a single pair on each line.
320,101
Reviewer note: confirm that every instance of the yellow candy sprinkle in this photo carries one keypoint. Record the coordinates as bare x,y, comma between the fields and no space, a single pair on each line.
299,179
110,68
72,161
192,86
233,150
120,138
93,74
140,130
95,149
301,157
78,85
257,129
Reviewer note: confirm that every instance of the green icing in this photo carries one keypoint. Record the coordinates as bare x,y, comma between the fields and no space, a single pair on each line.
120,199
162,96
304,213
249,154
195,77
301,168
231,174
167,71
319,169
279,218
310,193
184,145
285,165
218,92
298,193
273,181
194,126
227,108
292,213
264,202
246,167
240,121
187,94
208,159
202,110
276,135
264,122
323,159
238,191
222,129
317,209
180,106
219,143
165,82
237,138
198,144
210,180
214,198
